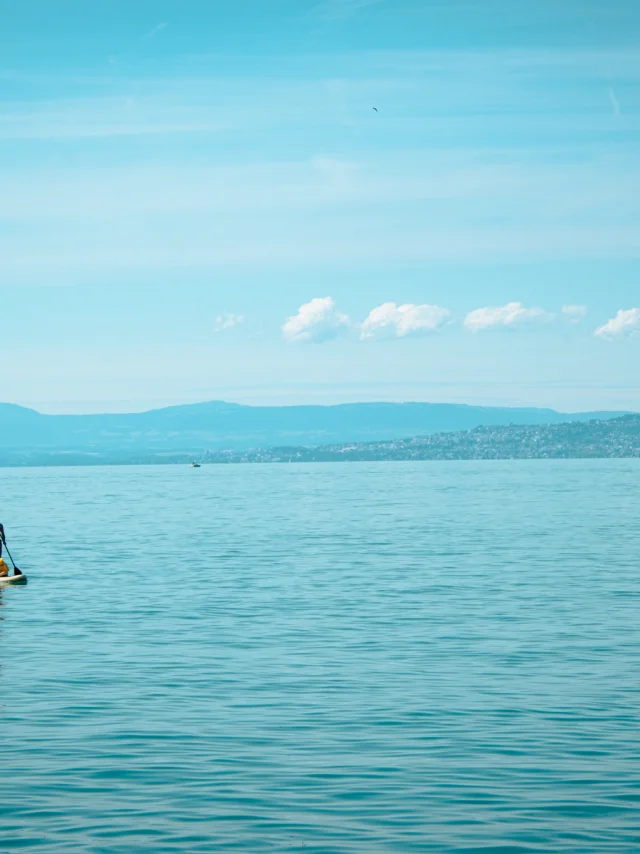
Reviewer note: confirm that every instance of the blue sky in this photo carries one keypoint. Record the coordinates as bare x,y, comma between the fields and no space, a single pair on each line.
198,201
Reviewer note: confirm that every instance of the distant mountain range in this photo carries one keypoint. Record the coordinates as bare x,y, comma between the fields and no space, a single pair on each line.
614,438
180,432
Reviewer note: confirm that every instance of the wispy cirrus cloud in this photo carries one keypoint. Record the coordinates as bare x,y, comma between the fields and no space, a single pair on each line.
615,103
626,322
227,320
400,321
103,116
504,316
155,30
370,200
317,321
574,313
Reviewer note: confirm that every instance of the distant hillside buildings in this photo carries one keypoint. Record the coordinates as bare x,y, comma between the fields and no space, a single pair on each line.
615,438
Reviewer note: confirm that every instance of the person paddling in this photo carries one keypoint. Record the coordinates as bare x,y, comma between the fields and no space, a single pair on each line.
4,569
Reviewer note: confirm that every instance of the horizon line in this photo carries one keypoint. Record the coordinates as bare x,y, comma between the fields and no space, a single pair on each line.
367,403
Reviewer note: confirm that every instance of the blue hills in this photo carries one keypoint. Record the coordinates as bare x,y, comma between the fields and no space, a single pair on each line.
29,437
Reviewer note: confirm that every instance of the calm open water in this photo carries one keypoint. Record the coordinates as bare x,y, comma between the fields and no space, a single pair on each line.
357,658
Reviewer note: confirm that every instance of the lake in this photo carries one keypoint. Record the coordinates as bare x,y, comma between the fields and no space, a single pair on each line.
337,659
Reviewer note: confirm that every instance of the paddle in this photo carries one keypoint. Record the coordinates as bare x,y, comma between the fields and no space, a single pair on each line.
16,571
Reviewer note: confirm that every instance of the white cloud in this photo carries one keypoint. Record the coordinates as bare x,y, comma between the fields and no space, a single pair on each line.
574,313
511,314
626,322
398,321
316,321
227,321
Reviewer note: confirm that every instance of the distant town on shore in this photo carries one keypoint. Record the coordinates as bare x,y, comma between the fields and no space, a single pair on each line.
615,438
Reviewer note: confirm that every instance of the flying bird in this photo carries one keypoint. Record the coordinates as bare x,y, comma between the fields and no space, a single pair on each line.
376,109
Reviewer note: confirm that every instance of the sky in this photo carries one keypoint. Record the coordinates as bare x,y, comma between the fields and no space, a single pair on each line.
199,201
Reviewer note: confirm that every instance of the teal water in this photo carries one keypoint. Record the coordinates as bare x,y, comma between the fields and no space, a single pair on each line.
357,658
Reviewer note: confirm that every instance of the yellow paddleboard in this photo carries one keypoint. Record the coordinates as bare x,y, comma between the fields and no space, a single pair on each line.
13,579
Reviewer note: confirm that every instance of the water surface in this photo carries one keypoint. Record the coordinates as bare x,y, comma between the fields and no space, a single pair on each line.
357,658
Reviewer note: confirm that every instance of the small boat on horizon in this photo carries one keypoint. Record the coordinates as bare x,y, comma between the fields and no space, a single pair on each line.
195,465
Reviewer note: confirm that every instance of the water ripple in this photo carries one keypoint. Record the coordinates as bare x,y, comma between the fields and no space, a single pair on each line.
337,659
